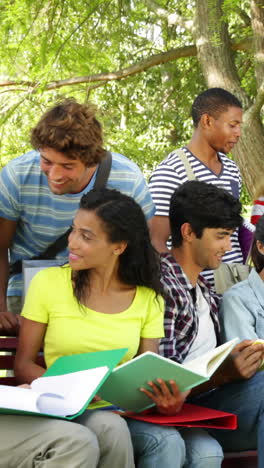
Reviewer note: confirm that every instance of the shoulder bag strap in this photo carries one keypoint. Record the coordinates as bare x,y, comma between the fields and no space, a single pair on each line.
103,172
183,157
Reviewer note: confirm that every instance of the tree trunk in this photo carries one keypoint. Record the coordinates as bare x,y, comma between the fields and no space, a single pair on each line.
257,23
249,152
218,66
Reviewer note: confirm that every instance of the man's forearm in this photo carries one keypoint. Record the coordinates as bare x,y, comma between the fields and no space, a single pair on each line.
4,274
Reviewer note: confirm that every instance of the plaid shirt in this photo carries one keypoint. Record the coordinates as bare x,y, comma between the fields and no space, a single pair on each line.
181,316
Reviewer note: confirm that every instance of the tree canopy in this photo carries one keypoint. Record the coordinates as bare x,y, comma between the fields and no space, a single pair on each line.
141,62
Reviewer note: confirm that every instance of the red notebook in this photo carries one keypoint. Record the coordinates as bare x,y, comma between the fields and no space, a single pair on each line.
190,416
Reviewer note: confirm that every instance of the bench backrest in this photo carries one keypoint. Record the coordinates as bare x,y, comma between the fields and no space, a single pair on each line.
9,345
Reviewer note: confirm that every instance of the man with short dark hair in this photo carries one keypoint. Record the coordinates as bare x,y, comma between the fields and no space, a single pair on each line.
217,118
202,220
40,192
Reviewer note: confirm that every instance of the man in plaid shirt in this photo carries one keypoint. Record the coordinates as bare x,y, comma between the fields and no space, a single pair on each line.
202,219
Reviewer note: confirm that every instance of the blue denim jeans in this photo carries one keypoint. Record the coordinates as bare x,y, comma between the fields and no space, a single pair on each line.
244,398
158,446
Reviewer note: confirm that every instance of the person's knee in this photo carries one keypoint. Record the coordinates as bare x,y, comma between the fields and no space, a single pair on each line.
117,426
149,439
35,440
80,436
202,449
73,439
108,425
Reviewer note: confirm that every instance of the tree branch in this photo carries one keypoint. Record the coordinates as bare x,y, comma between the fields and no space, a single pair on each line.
152,61
16,83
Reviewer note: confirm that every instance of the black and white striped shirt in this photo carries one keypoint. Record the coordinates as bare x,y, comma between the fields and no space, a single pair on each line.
171,173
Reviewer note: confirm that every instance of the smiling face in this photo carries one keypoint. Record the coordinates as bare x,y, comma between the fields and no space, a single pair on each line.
89,245
64,175
207,252
224,131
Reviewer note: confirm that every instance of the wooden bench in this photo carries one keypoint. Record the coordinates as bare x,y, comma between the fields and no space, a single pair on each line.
247,459
9,344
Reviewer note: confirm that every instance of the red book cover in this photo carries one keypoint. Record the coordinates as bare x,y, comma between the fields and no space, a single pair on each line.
189,416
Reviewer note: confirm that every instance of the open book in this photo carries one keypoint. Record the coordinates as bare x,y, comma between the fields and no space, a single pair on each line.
122,386
67,387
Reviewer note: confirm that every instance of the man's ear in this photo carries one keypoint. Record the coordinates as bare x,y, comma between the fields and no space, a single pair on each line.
187,232
206,121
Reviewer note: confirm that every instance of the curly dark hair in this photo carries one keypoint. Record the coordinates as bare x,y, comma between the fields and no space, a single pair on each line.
202,206
123,220
72,129
213,101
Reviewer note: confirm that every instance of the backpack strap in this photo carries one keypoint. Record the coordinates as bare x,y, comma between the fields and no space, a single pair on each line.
103,172
185,161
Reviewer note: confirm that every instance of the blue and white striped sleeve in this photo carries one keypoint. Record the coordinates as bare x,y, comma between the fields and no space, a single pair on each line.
9,194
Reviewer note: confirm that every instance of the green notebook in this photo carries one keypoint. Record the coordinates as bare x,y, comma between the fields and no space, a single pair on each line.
66,388
122,386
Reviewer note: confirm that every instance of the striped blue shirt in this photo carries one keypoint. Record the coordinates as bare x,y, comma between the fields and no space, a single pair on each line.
42,216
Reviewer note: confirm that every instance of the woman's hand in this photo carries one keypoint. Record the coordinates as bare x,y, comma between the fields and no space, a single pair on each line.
95,399
168,399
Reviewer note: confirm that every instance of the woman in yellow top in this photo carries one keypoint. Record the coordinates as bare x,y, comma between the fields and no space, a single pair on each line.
107,297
